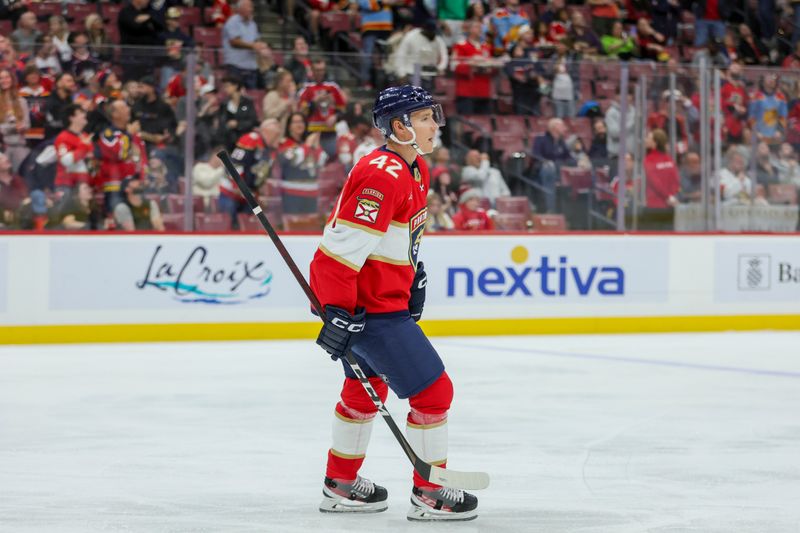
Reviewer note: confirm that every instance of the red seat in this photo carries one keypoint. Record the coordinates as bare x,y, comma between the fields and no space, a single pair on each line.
191,17
444,86
44,9
515,124
782,193
273,209
582,127
110,12
311,222
519,205
79,12
511,222
172,221
577,179
507,143
549,223
212,222
249,223
333,173
208,37
335,22
176,203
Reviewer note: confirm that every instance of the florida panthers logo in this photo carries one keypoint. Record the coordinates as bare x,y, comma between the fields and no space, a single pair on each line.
416,227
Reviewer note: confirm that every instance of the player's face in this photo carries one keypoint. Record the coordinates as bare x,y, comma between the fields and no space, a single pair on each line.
425,127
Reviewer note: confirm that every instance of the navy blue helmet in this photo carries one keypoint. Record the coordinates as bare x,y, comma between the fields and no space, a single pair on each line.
399,103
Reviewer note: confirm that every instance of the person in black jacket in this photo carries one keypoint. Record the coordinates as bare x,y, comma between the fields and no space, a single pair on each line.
237,111
550,152
56,103
139,25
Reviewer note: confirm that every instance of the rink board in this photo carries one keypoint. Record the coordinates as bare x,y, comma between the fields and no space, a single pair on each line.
123,288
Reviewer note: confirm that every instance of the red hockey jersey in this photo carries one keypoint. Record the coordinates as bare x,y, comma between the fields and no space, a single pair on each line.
72,151
368,254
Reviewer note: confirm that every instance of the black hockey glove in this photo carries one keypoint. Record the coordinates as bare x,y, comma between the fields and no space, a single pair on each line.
417,299
340,329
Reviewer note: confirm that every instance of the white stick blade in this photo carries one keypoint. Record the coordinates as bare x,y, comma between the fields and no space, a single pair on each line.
459,480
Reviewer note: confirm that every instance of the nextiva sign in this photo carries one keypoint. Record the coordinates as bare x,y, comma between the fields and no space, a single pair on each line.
507,270
539,275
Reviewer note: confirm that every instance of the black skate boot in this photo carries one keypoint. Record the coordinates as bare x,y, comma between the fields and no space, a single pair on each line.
357,496
442,504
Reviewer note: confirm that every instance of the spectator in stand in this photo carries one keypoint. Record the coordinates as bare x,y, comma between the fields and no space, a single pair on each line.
35,91
237,111
766,172
666,15
322,101
542,46
57,103
207,177
691,179
730,45
751,50
372,140
46,58
254,156
209,122
12,193
613,120
604,14
74,149
663,180
241,44
136,213
438,219
12,10
768,111
735,101
220,12
713,53
176,42
470,216
267,68
736,184
423,47
598,151
660,118
100,44
478,174
24,37
59,32
504,23
710,17
80,211
619,44
301,157
560,26
300,64
787,165
83,65
474,68
550,14
139,25
348,141
584,40
376,25
577,151
156,117
562,90
121,152
550,152
452,14
158,181
792,62
281,101
652,44
525,76
14,119
8,55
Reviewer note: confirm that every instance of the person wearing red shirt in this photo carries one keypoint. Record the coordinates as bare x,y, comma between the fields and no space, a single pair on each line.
471,61
710,17
367,276
72,148
470,216
121,152
663,180
322,101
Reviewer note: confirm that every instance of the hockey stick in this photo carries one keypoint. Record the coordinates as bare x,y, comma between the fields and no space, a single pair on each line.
434,474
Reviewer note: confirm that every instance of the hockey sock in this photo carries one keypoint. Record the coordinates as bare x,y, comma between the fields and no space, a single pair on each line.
352,427
426,425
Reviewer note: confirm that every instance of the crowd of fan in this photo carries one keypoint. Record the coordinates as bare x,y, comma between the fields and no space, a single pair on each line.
95,139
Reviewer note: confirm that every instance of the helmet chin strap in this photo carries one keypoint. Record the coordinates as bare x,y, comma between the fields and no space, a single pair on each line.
412,142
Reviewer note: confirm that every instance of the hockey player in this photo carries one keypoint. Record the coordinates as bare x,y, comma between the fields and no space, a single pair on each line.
366,274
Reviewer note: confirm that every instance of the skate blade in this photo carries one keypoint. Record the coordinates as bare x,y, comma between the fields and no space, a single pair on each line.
426,514
339,505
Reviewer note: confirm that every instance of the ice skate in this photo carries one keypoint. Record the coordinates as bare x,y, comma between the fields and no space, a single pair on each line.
442,504
357,496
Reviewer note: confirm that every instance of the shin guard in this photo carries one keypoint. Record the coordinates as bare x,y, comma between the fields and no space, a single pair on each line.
426,427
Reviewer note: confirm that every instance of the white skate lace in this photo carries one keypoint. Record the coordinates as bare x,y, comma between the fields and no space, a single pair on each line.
456,495
363,486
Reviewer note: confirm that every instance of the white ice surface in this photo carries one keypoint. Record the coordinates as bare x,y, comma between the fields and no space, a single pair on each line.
656,433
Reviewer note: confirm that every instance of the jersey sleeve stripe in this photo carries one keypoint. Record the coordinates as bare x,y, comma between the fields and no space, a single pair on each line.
338,259
394,245
389,260
356,225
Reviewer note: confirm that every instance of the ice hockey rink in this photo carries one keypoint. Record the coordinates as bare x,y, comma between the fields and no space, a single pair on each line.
629,433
